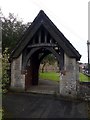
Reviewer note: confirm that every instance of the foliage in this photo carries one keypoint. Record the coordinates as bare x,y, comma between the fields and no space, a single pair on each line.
0,113
50,59
12,30
5,68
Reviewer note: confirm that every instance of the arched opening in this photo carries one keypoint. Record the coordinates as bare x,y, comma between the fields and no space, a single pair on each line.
32,66
49,75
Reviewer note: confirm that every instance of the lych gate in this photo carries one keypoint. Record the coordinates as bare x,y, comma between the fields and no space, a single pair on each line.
41,39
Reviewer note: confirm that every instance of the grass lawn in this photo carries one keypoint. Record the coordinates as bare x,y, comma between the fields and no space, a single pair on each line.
49,76
55,76
84,78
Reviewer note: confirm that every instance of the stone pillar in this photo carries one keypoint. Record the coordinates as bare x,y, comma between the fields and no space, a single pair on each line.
69,78
17,79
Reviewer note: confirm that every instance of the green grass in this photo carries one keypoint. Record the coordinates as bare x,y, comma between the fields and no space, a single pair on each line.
84,78
49,76
55,76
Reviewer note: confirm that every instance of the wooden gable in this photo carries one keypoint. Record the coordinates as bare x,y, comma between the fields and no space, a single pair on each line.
42,20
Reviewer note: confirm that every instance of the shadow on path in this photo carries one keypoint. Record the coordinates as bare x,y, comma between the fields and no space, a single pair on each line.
45,87
27,105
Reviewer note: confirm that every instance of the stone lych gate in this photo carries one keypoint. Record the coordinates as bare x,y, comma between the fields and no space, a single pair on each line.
41,39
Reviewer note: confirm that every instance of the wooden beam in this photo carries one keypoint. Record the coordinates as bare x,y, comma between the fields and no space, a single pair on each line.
39,37
45,37
42,45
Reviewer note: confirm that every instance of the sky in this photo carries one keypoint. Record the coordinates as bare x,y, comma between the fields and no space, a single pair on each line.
70,16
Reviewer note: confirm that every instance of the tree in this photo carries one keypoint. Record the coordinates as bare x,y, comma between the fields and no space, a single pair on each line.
12,30
50,59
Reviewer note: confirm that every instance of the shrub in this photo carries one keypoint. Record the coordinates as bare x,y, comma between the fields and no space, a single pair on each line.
5,68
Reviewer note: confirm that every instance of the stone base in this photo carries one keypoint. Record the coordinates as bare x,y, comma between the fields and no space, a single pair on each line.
17,89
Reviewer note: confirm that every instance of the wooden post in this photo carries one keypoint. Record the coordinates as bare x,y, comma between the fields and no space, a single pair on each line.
33,40
51,40
45,37
61,60
39,36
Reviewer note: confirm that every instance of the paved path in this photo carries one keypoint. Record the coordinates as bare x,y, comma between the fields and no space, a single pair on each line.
27,105
45,87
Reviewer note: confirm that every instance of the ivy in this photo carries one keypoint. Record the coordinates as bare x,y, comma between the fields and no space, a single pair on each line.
5,69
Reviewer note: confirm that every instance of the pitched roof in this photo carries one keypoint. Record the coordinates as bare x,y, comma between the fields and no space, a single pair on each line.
43,19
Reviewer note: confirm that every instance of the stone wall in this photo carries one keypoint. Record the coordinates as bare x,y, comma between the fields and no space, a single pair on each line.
84,90
68,82
17,79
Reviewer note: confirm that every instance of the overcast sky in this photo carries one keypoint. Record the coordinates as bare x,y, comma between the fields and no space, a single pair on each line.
70,16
